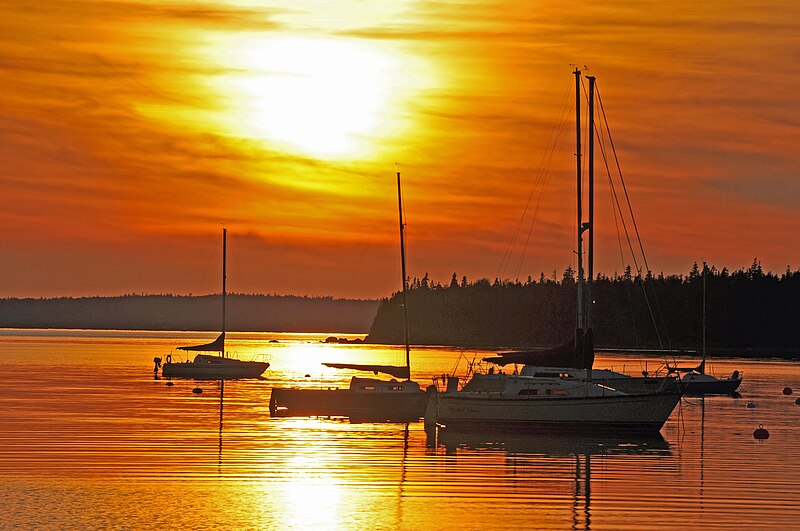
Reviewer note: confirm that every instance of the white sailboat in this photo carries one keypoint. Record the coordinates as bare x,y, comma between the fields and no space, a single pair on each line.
538,400
212,366
366,398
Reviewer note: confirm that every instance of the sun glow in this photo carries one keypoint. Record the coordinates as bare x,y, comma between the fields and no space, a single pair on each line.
322,97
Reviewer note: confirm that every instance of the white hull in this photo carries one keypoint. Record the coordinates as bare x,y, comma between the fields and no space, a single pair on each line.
594,413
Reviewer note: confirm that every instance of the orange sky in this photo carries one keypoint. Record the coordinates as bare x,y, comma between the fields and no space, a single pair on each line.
130,130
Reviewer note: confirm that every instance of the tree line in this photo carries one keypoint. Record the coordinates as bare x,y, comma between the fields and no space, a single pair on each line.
745,309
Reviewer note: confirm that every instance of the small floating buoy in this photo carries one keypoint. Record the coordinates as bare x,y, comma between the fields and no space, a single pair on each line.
797,401
787,390
197,390
761,432
169,384
308,376
751,405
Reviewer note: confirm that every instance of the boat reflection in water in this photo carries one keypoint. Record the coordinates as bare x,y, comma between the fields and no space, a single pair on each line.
550,458
547,445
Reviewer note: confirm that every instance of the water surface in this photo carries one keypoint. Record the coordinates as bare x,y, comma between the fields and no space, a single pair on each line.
91,440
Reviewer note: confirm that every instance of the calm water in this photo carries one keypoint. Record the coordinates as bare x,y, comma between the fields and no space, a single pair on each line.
88,439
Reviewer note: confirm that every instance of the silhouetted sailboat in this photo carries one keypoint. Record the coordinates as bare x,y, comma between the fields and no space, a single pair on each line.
209,366
695,380
530,401
366,398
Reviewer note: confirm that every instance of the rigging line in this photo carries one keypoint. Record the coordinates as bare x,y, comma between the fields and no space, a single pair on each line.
622,180
625,228
562,124
633,218
622,261
538,180
505,261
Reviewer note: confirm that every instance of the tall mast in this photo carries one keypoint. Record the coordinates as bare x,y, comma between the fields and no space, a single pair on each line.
224,278
403,267
590,257
703,360
581,322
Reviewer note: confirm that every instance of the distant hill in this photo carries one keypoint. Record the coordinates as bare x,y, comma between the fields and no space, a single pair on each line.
245,313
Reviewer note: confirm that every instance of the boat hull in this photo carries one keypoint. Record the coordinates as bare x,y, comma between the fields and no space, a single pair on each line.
594,414
229,370
719,387
357,405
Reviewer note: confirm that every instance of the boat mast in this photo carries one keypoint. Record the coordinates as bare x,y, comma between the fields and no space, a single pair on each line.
590,223
577,72
403,267
703,359
224,265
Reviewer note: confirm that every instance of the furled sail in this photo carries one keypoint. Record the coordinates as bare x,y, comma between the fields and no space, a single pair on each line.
577,353
218,345
393,370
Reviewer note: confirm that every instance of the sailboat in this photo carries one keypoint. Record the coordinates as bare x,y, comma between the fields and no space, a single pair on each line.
535,400
212,366
695,380
366,398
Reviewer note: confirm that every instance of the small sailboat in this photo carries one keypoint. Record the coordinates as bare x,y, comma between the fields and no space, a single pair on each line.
540,399
366,399
212,366
695,380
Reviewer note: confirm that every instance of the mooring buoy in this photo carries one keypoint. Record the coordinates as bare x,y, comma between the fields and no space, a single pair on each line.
197,390
761,432
787,390
797,401
751,405
169,384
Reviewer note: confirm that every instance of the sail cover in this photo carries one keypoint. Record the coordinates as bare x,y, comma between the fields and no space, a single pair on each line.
392,370
577,353
218,345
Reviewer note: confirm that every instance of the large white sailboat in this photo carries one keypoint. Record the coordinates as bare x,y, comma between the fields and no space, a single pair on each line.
539,399
212,366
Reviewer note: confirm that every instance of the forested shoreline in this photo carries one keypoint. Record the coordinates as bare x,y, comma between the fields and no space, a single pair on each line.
246,313
749,311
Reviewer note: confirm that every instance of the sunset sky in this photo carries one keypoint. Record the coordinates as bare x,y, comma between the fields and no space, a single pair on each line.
131,131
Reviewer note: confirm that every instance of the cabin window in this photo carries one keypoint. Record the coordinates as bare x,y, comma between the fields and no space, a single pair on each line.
529,392
368,388
395,387
557,392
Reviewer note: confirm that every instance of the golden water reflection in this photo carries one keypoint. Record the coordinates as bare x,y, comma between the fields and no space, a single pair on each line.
90,440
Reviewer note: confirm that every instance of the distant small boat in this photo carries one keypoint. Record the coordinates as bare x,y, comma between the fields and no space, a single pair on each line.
212,367
367,399
695,380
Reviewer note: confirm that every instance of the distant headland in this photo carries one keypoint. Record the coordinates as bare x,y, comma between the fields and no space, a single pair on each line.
245,313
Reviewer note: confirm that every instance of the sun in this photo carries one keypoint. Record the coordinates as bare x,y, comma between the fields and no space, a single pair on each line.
323,97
